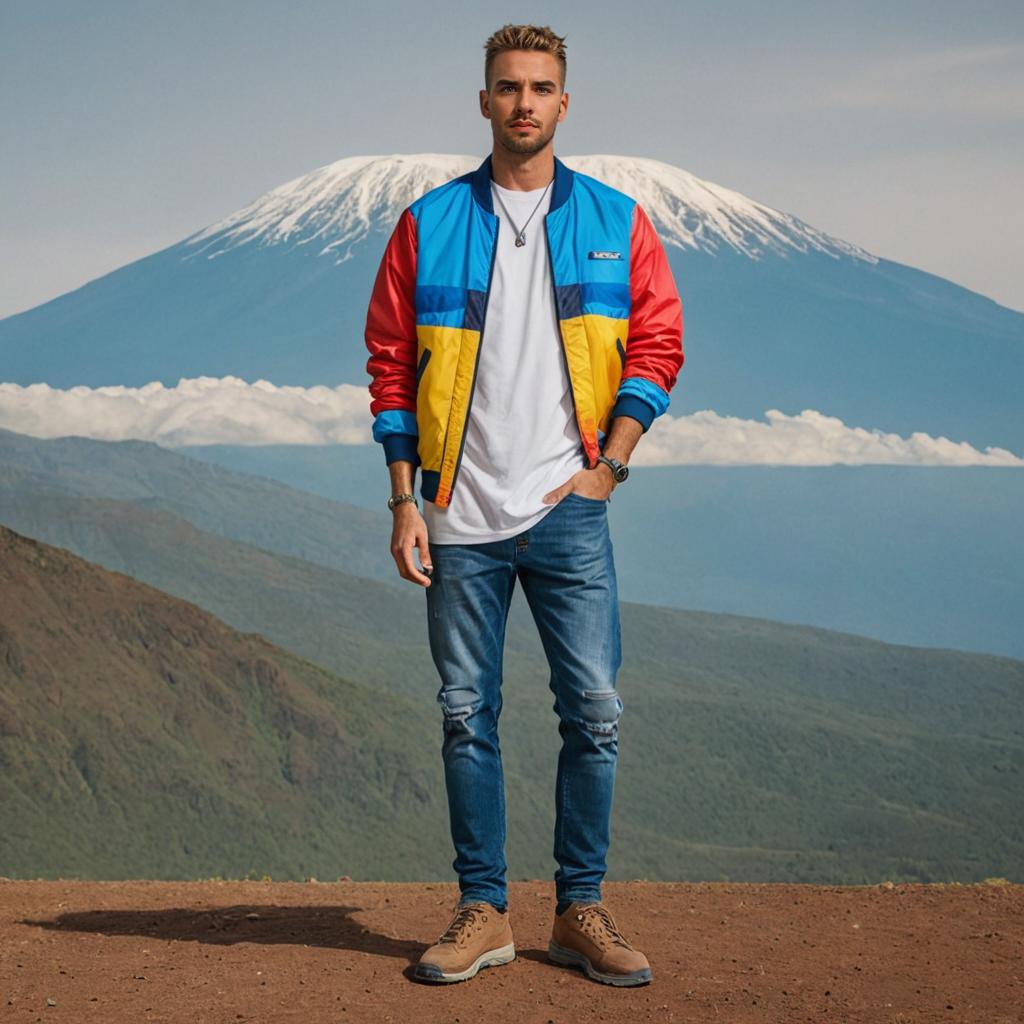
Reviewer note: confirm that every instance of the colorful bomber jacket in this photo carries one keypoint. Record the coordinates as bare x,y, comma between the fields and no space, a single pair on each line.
619,313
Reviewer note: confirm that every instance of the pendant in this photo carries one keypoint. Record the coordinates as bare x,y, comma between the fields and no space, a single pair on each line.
521,239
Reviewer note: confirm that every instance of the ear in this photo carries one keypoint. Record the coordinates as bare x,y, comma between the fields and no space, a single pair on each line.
563,106
485,104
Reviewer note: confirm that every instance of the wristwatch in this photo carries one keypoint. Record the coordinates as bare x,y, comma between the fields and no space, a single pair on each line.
619,469
397,499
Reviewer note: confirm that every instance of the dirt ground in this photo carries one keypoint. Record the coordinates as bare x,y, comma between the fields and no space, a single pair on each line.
223,952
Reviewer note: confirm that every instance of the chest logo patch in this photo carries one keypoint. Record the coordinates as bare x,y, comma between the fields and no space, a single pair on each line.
604,254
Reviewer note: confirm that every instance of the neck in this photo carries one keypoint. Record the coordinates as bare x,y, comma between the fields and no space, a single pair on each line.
522,172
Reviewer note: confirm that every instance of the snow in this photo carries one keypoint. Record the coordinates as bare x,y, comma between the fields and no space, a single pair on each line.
335,207
692,213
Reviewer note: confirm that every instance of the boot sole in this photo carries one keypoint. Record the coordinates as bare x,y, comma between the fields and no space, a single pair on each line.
493,958
570,958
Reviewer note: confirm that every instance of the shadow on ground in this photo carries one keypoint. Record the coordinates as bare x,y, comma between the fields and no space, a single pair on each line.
330,927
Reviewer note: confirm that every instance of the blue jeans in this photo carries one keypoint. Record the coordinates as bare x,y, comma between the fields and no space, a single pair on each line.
565,566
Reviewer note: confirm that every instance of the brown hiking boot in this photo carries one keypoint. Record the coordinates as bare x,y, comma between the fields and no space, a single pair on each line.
478,936
586,936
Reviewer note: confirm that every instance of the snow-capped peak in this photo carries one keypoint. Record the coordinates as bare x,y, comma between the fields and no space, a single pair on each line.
692,213
333,207
337,206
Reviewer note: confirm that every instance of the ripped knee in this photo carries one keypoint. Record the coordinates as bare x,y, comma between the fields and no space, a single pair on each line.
457,715
600,711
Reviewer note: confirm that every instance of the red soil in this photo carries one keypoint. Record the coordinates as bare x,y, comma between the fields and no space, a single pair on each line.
229,952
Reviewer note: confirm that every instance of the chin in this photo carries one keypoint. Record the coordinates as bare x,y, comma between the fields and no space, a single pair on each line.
526,146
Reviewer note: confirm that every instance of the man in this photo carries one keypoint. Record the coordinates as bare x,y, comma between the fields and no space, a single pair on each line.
524,331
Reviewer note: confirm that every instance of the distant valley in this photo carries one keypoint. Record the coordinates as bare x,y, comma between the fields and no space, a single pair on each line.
763,751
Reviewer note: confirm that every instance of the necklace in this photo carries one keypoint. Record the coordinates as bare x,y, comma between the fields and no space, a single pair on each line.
521,232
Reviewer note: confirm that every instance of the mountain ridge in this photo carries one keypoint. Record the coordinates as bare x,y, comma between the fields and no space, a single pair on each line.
763,749
157,735
777,314
352,197
839,547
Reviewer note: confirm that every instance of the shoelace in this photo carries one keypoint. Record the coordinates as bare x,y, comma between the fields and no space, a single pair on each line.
604,921
465,917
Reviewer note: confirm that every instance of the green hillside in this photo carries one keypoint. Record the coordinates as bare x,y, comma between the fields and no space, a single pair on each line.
142,737
241,506
750,750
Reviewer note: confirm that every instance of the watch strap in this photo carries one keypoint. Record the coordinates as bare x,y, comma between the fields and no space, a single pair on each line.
619,469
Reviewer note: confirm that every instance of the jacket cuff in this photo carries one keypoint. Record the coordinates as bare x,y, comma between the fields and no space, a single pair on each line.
401,447
636,408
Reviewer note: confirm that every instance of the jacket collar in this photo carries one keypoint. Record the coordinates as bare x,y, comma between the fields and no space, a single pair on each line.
481,183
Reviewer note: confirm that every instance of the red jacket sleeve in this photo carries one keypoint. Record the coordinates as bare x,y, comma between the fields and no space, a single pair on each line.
391,341
654,352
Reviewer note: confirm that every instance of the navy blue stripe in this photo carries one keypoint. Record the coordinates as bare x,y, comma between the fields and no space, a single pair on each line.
430,480
637,408
424,359
475,302
570,301
575,299
481,184
563,185
401,447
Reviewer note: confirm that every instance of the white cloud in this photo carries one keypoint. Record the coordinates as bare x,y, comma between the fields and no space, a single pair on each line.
228,410
197,410
808,439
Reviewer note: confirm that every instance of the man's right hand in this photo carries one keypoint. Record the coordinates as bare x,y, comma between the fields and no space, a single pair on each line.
410,531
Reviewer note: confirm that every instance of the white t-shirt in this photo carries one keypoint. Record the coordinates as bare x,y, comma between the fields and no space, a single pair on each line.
521,437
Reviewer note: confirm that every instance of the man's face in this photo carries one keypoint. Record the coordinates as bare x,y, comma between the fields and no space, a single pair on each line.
525,100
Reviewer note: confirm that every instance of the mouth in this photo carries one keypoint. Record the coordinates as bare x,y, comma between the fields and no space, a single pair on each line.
523,124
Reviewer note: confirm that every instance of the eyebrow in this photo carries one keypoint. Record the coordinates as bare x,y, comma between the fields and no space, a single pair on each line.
508,81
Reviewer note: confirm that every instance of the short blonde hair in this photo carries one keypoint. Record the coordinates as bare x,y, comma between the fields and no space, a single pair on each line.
523,37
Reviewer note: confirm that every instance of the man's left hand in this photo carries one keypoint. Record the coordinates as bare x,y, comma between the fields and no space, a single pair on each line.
597,483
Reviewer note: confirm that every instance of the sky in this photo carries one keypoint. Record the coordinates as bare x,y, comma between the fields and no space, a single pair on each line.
126,126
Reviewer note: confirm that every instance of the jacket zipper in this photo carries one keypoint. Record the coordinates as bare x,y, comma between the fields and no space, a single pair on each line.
561,339
476,363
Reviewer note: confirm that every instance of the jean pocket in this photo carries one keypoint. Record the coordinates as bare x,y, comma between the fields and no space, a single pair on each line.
583,497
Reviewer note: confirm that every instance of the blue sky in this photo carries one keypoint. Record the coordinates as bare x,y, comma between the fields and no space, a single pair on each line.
126,126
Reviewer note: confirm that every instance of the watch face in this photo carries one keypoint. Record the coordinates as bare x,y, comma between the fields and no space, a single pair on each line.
619,471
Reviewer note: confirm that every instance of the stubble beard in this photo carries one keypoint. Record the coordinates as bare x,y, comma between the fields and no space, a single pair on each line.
524,145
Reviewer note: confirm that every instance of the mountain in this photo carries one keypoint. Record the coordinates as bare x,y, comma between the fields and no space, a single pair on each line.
141,736
904,554
243,506
778,314
928,556
751,749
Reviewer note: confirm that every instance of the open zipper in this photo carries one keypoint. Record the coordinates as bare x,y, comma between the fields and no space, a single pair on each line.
476,364
561,339
483,321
